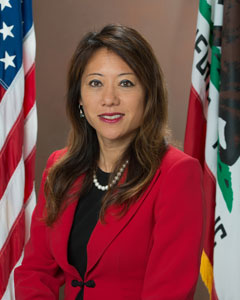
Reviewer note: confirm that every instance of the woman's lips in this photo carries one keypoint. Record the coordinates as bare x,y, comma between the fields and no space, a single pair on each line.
111,117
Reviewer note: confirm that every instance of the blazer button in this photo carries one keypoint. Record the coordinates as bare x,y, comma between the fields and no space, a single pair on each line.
90,284
77,283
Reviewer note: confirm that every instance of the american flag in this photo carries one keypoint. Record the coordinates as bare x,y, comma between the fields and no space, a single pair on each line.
18,131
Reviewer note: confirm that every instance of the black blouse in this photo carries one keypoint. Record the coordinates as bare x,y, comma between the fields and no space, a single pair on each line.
85,219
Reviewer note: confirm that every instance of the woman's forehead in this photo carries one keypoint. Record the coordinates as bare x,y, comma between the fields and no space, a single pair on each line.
104,61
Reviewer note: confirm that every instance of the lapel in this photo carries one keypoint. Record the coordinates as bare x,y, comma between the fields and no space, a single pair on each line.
104,234
61,231
101,237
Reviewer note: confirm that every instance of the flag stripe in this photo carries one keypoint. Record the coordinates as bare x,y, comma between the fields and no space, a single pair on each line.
29,50
29,207
10,154
11,106
29,170
10,291
30,129
12,202
2,90
197,131
12,250
30,94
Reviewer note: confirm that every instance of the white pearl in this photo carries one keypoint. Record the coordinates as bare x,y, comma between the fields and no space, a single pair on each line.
114,181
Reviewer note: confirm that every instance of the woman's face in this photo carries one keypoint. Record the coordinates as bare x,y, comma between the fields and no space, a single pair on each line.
112,98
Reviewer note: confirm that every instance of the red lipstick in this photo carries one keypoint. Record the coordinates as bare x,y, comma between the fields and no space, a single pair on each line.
111,117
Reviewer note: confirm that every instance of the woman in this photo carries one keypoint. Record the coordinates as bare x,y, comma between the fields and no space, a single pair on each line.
120,211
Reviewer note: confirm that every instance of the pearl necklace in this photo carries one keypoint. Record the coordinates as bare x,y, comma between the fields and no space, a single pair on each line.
114,181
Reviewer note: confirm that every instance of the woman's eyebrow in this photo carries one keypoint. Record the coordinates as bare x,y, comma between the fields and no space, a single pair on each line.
121,74
99,74
129,73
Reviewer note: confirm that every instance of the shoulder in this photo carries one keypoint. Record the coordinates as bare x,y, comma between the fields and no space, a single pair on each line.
175,158
180,179
55,156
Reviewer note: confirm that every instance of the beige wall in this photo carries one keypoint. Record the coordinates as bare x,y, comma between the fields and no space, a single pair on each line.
169,25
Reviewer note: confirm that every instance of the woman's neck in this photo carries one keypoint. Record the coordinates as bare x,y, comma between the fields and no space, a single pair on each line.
109,155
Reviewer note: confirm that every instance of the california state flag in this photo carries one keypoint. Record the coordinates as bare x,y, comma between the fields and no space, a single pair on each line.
213,136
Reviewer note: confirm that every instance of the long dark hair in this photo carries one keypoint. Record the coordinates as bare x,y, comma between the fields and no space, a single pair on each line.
147,148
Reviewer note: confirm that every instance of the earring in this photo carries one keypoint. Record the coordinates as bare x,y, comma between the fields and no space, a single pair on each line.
81,111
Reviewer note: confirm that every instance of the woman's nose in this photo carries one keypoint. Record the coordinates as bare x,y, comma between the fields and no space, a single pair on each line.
109,96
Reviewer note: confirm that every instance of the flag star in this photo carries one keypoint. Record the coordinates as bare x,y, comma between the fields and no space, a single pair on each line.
8,60
6,31
5,3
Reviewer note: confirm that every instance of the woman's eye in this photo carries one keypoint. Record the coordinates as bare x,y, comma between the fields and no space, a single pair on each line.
95,83
126,83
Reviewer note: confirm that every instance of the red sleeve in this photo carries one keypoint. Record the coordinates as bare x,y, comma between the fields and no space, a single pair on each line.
39,277
173,265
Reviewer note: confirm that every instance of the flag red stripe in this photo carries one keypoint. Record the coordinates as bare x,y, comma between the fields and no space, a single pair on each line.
11,251
30,91
195,133
11,153
2,92
29,173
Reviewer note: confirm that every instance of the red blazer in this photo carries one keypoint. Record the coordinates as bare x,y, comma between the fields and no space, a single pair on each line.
152,253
